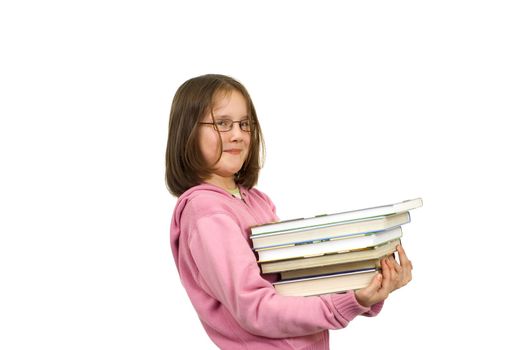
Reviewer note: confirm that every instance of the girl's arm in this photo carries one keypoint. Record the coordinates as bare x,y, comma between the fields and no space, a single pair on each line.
229,272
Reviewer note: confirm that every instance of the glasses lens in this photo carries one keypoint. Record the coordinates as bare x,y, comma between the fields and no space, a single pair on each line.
245,125
223,125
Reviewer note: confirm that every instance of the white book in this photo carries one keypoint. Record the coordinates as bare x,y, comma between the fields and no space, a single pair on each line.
356,227
329,246
325,284
296,224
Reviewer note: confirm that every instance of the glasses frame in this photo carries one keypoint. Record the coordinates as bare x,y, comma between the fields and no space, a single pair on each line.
214,124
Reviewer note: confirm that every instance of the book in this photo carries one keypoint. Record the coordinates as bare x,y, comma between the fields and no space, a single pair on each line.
330,253
316,248
375,252
333,283
325,219
331,269
329,231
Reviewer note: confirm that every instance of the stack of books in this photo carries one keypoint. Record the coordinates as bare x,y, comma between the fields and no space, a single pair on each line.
330,253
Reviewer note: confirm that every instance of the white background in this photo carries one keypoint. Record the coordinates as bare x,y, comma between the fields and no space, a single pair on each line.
361,105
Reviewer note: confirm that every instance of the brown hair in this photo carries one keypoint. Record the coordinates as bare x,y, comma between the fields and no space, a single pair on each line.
185,165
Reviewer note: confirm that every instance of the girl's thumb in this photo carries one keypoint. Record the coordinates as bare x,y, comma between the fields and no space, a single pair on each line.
376,283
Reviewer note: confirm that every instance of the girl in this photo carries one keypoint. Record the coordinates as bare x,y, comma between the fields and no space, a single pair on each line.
212,164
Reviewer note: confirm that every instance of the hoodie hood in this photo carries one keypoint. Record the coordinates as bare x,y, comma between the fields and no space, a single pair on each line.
182,201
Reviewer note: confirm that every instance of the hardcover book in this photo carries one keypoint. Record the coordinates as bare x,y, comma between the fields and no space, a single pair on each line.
303,223
316,248
330,231
334,283
375,252
330,253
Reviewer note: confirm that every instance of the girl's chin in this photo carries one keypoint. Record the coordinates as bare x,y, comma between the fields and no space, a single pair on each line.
227,172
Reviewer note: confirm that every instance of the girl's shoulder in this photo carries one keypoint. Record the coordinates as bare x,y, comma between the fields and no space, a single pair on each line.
205,199
262,197
257,193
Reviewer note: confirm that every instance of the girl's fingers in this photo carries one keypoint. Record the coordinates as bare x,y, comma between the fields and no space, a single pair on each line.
375,284
396,270
395,265
406,265
387,274
395,275
404,261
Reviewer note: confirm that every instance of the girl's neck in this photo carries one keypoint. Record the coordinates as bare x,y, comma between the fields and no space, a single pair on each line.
226,183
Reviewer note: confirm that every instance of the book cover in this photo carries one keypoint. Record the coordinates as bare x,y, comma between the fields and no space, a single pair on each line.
375,252
329,246
336,218
354,266
330,231
333,283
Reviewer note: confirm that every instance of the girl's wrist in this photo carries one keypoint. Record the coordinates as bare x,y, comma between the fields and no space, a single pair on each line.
359,298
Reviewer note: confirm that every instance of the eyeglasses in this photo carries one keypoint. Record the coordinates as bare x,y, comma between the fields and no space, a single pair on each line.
224,125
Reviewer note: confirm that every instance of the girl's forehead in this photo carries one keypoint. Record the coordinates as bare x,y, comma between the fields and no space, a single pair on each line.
224,95
222,99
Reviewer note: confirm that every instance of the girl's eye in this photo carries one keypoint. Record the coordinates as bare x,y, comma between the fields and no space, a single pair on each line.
221,123
245,124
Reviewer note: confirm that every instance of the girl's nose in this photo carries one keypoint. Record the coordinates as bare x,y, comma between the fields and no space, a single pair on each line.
236,132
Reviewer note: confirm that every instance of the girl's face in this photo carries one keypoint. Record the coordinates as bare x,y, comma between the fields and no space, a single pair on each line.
236,142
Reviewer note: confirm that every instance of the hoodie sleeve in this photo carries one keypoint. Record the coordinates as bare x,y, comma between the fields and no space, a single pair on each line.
228,270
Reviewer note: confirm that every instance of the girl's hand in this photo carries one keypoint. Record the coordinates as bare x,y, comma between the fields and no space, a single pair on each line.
402,271
394,275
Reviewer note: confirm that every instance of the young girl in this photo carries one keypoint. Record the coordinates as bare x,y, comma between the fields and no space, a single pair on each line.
212,164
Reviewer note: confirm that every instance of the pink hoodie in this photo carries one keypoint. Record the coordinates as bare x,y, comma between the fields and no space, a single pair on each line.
239,308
